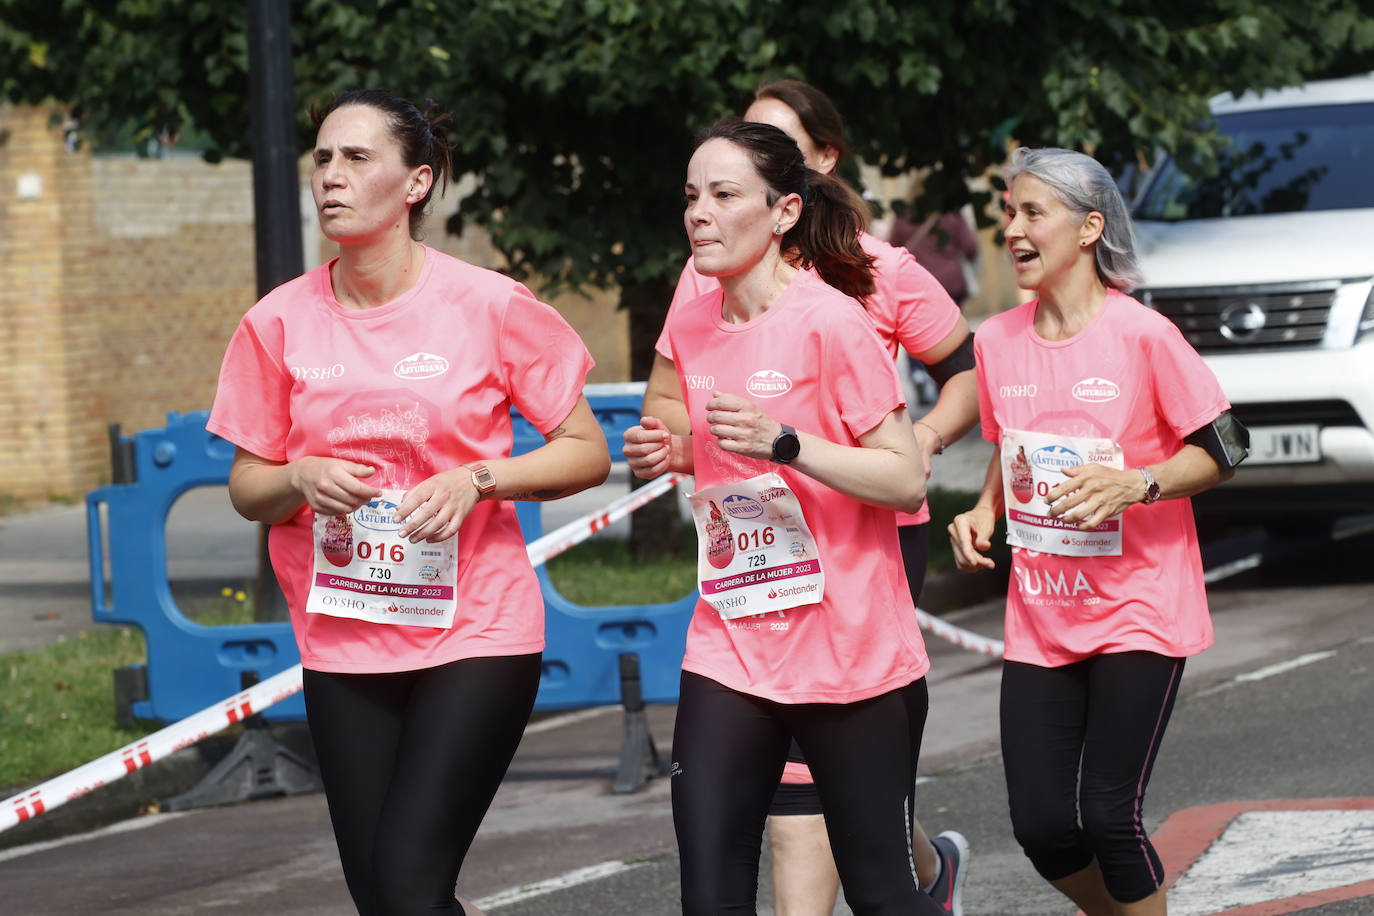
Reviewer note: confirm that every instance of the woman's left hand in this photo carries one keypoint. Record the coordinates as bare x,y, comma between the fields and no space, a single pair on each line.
740,427
435,509
1094,493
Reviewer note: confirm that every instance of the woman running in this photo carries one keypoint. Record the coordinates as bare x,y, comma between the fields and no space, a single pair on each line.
370,402
805,627
909,308
1106,420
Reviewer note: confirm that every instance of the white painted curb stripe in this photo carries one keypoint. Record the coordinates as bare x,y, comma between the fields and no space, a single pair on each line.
562,882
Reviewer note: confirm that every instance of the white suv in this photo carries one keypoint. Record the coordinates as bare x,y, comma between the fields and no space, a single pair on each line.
1268,269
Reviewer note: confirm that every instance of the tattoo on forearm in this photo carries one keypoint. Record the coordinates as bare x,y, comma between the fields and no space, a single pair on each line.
539,495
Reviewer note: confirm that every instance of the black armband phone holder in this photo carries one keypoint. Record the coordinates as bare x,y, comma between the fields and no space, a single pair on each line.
1226,439
958,361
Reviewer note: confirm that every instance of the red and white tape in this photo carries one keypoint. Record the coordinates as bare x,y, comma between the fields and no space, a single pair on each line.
545,548
964,639
118,764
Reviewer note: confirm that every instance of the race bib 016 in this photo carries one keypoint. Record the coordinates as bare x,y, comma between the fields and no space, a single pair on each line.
755,553
366,571
1032,465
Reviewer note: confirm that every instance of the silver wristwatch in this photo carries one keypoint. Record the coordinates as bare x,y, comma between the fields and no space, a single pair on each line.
1151,487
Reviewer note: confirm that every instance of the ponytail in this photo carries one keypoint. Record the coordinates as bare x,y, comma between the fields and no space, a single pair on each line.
827,236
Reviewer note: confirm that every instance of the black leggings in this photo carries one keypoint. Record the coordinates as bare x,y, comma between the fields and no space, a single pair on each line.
410,762
728,754
801,798
1082,739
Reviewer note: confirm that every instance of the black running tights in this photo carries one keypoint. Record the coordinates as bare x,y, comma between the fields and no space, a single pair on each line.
410,763
1078,744
728,754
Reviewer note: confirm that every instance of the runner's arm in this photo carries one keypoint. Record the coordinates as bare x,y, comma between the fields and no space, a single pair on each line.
663,397
573,457
970,533
886,468
1094,493
956,410
269,491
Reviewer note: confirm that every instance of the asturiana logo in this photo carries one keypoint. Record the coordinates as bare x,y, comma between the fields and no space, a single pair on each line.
742,506
1055,458
420,365
379,515
768,383
1096,390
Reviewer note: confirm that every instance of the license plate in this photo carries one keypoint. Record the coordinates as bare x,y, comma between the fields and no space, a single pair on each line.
1296,444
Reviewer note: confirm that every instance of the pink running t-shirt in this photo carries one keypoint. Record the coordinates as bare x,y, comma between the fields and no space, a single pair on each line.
836,382
909,308
1131,377
414,387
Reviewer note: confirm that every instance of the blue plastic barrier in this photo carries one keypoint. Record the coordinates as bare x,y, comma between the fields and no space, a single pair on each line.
191,667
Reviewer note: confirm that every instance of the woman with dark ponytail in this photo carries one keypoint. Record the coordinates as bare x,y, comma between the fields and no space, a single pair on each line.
801,451
910,310
370,402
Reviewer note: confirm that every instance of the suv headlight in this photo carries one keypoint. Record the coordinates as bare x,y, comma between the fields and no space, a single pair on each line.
1366,317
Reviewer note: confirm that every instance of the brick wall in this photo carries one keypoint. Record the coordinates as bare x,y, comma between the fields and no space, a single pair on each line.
121,280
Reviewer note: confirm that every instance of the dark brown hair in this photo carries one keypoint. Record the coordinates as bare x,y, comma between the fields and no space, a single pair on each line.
818,115
826,236
420,135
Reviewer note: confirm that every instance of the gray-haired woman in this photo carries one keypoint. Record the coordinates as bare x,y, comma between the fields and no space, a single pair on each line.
1107,420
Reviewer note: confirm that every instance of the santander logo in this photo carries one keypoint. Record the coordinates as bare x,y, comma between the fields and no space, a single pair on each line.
420,365
1095,390
768,383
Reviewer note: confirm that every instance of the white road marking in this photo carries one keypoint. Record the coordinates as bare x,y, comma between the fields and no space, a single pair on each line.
137,823
562,882
1279,668
1271,855
1268,671
1235,567
572,718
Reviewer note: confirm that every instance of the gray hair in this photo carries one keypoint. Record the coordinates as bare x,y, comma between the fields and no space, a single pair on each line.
1082,184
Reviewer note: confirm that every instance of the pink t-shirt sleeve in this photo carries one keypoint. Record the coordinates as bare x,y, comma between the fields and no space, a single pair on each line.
987,420
252,400
1187,393
909,308
690,285
544,361
860,375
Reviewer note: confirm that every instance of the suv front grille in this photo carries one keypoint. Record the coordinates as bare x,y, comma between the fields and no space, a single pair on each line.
1227,319
1281,413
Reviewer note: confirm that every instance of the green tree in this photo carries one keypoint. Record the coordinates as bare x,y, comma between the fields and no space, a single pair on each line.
577,115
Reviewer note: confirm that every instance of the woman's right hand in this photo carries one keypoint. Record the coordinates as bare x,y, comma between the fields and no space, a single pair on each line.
648,447
970,535
332,486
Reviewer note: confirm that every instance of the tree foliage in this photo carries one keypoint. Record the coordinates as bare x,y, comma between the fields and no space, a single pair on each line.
578,115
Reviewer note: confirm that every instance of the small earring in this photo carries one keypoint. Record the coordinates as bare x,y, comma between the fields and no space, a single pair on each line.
777,230
1082,244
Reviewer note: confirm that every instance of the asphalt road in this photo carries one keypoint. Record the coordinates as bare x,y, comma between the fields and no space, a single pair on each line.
1278,711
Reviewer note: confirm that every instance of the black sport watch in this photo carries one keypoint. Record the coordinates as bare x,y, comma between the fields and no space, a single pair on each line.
786,446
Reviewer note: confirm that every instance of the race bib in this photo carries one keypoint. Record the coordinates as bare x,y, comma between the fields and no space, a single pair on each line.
755,553
1032,465
364,570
